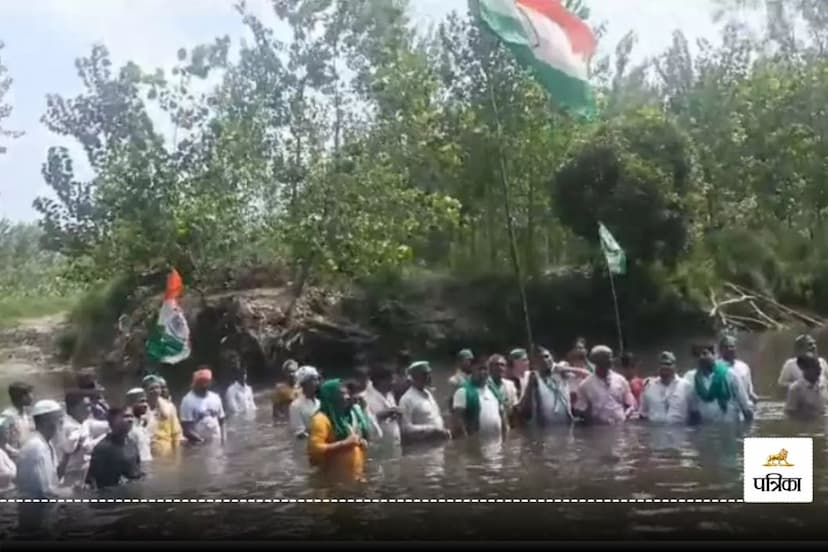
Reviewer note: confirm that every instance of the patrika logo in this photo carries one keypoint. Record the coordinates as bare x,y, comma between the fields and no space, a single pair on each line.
783,477
780,459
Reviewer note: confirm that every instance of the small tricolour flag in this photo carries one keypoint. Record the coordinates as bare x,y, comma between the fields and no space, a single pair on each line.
169,342
616,259
544,36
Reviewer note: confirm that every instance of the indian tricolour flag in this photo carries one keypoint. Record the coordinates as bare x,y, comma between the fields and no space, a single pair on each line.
544,36
169,342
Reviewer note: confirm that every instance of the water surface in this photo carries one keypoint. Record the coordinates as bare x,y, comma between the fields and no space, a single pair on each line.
260,460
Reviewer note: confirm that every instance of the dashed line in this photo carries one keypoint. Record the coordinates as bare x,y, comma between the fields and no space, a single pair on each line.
372,501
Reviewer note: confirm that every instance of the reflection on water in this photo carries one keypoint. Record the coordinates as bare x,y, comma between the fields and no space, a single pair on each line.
261,460
634,461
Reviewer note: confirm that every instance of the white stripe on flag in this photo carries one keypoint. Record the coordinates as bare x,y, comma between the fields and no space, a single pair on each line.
551,45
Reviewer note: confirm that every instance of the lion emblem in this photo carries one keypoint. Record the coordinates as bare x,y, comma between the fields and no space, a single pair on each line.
780,459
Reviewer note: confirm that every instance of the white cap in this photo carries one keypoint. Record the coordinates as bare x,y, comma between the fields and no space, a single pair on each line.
600,350
45,406
305,373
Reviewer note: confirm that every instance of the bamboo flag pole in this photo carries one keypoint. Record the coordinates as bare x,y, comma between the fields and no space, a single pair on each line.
509,222
616,264
617,311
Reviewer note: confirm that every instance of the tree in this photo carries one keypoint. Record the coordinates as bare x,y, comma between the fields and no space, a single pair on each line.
634,174
5,109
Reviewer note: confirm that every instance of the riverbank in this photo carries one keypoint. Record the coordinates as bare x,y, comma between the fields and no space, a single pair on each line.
425,312
257,312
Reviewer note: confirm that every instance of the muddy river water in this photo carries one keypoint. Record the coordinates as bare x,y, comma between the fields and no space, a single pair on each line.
260,460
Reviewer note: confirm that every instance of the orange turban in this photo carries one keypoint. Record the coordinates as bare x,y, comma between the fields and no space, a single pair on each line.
202,375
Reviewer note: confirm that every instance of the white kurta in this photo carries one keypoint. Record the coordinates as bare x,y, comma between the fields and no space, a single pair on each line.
742,371
239,399
205,412
509,391
141,435
791,372
666,404
488,420
66,443
807,399
711,411
300,412
37,469
377,402
420,412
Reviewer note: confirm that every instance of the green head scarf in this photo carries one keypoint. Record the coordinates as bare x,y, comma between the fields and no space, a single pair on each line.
719,389
341,418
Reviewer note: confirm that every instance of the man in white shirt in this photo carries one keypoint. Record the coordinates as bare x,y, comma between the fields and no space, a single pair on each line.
605,396
548,400
421,418
379,396
803,345
727,352
477,408
239,396
304,406
38,469
17,418
718,395
78,428
143,423
666,399
505,387
202,414
808,396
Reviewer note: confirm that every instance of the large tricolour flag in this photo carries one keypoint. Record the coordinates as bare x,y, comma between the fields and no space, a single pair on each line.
169,342
544,36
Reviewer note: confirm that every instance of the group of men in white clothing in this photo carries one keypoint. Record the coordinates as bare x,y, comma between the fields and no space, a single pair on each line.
49,450
46,449
488,397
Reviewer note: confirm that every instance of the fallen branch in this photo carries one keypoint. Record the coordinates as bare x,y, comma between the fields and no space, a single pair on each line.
752,320
765,316
803,317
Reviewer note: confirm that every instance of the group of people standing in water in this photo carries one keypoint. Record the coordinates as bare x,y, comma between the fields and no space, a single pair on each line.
49,450
491,396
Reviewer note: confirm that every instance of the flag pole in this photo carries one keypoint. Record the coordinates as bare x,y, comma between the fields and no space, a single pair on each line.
617,312
509,222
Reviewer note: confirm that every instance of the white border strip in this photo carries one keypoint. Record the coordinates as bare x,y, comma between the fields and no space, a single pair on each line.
373,501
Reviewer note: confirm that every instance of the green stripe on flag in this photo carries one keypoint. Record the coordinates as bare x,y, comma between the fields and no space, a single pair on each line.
161,345
503,19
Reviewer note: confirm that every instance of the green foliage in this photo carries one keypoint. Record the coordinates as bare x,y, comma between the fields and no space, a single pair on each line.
5,109
634,174
26,270
356,148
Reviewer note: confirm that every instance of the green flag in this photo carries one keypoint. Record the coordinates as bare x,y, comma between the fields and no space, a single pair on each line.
616,259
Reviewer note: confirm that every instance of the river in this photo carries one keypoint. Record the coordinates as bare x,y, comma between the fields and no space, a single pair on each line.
261,461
